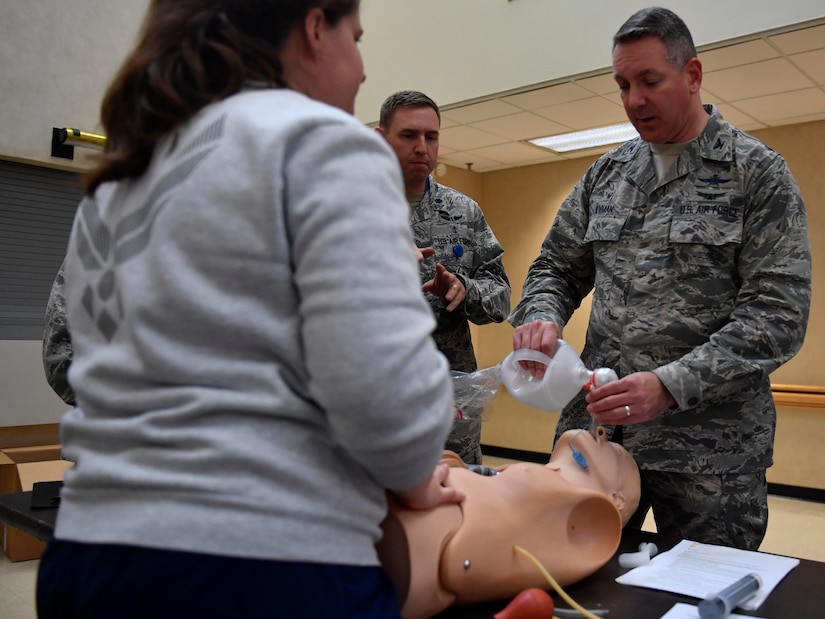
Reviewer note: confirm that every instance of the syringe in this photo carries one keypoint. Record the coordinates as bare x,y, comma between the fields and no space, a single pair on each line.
720,605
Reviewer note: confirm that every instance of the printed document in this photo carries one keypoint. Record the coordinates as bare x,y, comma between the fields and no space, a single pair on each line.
701,570
686,611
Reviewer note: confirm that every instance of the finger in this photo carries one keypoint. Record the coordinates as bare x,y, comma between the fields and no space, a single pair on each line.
439,280
545,338
613,388
446,494
458,298
609,401
427,251
625,414
452,291
521,339
519,336
442,470
452,495
614,413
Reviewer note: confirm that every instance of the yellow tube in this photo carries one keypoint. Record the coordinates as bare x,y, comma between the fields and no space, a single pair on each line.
76,137
554,584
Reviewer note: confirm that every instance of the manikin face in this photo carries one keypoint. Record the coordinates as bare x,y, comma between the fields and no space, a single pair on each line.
603,466
658,98
413,135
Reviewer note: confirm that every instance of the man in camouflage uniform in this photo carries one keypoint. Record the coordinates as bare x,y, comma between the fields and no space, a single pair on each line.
462,272
694,241
57,345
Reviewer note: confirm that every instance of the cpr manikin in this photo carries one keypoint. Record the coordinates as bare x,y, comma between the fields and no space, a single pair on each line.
568,513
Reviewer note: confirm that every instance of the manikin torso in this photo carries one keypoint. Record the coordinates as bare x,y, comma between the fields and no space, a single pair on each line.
461,554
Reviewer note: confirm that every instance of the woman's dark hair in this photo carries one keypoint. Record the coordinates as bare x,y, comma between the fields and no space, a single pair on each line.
666,26
191,53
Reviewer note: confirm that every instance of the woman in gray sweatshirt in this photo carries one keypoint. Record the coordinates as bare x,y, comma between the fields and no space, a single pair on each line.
252,354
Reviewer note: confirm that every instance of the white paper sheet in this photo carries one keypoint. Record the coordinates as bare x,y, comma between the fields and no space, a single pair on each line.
686,611
700,570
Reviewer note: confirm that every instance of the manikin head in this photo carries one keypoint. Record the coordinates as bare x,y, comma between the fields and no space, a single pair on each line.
600,465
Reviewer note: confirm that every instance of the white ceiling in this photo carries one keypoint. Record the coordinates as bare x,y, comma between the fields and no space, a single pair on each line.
767,81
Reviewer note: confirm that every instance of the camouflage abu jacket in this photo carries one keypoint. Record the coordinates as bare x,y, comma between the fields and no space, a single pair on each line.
454,225
57,345
703,278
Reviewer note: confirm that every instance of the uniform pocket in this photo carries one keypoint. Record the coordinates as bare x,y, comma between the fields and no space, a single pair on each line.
706,240
604,229
709,223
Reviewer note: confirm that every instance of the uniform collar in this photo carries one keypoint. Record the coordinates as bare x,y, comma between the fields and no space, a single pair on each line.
715,143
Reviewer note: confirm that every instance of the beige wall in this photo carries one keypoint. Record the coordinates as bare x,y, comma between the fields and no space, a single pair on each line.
798,456
520,205
803,146
56,60
461,51
58,56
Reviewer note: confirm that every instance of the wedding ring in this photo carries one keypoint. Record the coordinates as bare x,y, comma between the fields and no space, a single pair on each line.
627,410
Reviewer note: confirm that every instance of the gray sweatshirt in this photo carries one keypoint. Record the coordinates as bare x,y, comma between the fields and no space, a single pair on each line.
253,359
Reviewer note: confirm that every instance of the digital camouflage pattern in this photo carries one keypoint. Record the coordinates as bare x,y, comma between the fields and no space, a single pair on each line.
454,225
57,345
703,278
727,510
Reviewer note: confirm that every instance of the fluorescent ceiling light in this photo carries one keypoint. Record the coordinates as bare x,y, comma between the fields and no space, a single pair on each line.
590,138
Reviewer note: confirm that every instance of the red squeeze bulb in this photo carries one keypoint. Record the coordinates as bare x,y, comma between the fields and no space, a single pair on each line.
533,603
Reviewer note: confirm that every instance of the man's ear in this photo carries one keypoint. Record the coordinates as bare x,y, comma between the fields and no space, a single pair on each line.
381,131
693,70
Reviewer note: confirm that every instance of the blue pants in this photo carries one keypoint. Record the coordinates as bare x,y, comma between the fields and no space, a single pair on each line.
92,581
